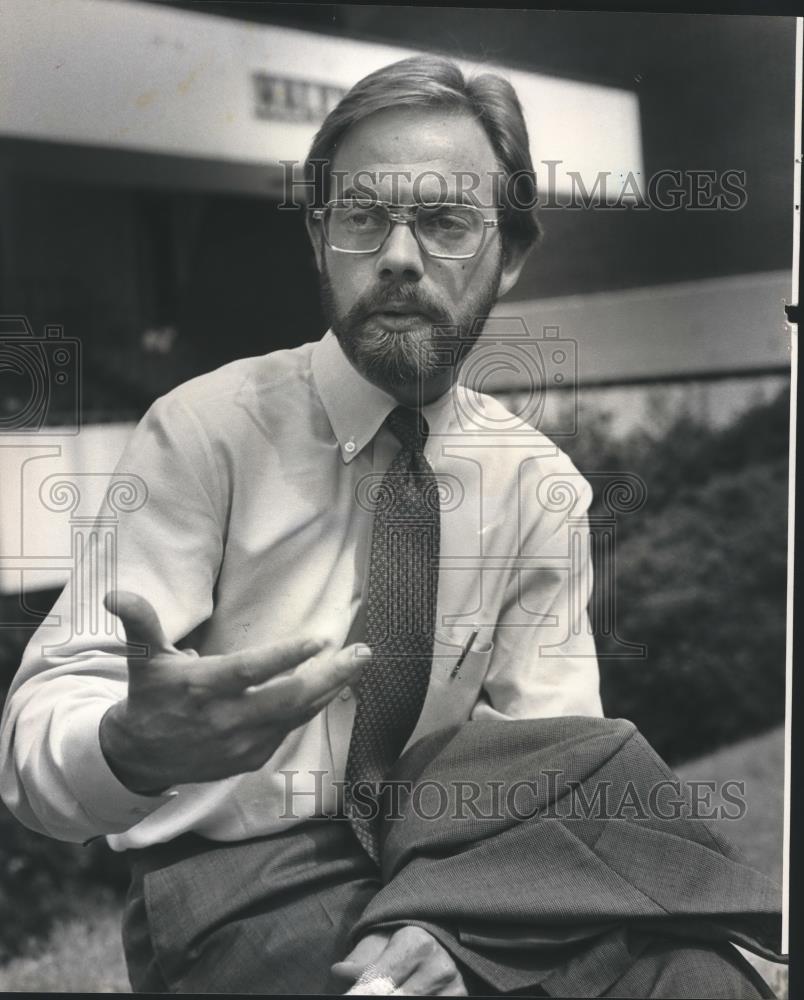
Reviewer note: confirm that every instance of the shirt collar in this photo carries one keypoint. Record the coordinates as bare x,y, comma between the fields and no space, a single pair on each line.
357,408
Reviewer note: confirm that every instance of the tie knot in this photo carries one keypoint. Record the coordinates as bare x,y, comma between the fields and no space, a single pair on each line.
410,427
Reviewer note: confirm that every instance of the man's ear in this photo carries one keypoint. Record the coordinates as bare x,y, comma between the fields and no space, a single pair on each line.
513,261
316,234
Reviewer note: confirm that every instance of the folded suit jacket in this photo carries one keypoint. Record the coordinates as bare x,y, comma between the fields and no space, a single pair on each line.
493,851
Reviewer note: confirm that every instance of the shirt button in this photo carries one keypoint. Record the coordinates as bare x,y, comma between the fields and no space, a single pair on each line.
346,694
350,446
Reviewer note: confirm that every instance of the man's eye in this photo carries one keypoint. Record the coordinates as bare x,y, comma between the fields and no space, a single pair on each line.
357,219
447,223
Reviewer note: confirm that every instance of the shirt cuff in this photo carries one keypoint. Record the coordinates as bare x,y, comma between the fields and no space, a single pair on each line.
110,806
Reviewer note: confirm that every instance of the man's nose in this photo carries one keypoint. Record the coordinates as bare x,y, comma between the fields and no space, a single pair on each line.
400,258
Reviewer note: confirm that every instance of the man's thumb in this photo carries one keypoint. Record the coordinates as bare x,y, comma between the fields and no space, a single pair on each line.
140,621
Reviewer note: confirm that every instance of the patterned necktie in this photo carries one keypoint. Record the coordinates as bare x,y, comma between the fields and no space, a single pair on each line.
400,621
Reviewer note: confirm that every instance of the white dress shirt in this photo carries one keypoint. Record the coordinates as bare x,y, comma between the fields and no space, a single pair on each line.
252,532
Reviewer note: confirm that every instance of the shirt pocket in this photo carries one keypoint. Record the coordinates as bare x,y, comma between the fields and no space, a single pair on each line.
455,678
457,663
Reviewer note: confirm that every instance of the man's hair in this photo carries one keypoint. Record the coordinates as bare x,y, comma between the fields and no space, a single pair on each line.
434,82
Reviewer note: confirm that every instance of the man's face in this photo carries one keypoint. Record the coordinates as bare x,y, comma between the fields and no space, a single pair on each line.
382,306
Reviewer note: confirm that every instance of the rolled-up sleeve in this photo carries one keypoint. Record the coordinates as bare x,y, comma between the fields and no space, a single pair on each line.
53,775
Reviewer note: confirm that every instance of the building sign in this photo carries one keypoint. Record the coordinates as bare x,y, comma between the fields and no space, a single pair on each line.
283,98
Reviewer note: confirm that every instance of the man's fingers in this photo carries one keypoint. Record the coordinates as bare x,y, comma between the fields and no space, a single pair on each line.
365,952
140,621
427,981
345,667
389,957
398,960
234,672
307,690
418,964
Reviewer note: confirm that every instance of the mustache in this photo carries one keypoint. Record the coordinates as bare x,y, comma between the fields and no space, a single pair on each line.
407,295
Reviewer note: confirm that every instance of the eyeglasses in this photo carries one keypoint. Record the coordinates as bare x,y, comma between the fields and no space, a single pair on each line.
442,229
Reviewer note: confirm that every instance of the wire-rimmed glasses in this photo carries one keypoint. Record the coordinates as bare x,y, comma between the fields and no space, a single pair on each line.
449,230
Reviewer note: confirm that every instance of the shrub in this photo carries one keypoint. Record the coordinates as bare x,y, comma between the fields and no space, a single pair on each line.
702,585
701,578
40,877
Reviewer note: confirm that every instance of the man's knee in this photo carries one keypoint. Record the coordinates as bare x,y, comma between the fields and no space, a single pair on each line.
669,969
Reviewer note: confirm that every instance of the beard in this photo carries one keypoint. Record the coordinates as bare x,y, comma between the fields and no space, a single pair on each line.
409,357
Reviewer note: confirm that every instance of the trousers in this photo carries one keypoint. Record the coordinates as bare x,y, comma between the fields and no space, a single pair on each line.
267,915
272,914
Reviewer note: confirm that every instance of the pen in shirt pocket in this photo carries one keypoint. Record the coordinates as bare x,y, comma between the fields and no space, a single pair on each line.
466,648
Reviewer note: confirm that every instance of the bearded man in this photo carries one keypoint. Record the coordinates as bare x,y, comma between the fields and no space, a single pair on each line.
335,559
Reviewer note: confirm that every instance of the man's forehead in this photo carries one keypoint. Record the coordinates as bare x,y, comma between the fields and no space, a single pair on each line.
414,146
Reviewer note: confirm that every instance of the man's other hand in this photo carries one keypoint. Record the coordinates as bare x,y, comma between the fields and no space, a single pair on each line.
411,957
190,718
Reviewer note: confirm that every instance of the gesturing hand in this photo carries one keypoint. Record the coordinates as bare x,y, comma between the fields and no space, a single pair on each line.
189,719
411,957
